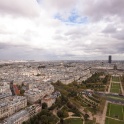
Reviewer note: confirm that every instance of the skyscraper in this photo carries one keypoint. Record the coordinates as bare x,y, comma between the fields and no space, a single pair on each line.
110,59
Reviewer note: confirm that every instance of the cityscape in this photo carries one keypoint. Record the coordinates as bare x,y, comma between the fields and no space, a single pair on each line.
61,62
79,90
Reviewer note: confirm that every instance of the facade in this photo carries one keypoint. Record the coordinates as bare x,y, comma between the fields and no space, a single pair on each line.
23,115
17,118
38,92
12,105
5,87
33,109
49,100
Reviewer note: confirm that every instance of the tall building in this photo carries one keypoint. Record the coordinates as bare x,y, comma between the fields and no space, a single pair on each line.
110,59
11,88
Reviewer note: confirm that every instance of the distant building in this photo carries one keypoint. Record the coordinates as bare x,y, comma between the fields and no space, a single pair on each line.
110,59
115,67
11,88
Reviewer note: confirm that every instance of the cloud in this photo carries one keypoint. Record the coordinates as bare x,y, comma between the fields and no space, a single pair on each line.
110,29
95,10
19,7
66,29
119,35
98,9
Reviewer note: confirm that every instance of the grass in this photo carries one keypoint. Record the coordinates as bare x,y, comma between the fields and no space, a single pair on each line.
73,121
115,88
115,111
90,122
116,97
115,79
112,121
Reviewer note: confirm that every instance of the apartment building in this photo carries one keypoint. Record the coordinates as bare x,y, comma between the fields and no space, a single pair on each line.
17,118
11,105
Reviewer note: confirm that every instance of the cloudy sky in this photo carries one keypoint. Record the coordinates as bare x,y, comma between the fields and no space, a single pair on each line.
61,29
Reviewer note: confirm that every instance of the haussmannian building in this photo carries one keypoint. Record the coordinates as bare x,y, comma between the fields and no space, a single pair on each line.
12,105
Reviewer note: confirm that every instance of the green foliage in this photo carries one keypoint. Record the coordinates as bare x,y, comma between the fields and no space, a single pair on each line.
73,109
106,79
93,79
44,117
62,113
112,121
115,111
44,106
22,92
86,116
73,121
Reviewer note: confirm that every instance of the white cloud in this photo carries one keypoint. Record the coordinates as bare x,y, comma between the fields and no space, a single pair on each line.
29,29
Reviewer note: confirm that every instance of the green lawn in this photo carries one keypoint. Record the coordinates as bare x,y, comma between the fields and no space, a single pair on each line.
112,121
115,79
115,85
115,88
115,111
116,97
89,122
73,121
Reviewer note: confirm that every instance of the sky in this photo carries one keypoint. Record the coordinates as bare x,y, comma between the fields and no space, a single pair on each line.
61,29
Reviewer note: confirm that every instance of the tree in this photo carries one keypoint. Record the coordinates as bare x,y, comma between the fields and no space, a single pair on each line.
44,106
86,116
62,113
22,92
44,119
61,121
24,122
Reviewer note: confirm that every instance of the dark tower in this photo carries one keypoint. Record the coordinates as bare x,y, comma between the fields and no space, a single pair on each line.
110,59
11,88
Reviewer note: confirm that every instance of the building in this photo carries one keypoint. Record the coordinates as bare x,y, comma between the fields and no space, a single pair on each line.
12,105
38,92
22,115
49,100
115,67
110,59
17,118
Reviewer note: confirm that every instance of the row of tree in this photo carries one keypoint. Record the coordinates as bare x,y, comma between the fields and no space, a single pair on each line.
44,117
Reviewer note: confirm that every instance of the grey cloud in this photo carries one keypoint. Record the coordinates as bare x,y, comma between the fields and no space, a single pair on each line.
103,47
119,35
113,32
60,37
96,10
59,4
102,9
20,52
110,29
107,49
77,31
27,8
11,45
3,45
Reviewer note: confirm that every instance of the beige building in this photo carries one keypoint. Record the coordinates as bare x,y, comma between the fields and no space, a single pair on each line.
37,93
11,105
17,118
49,100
